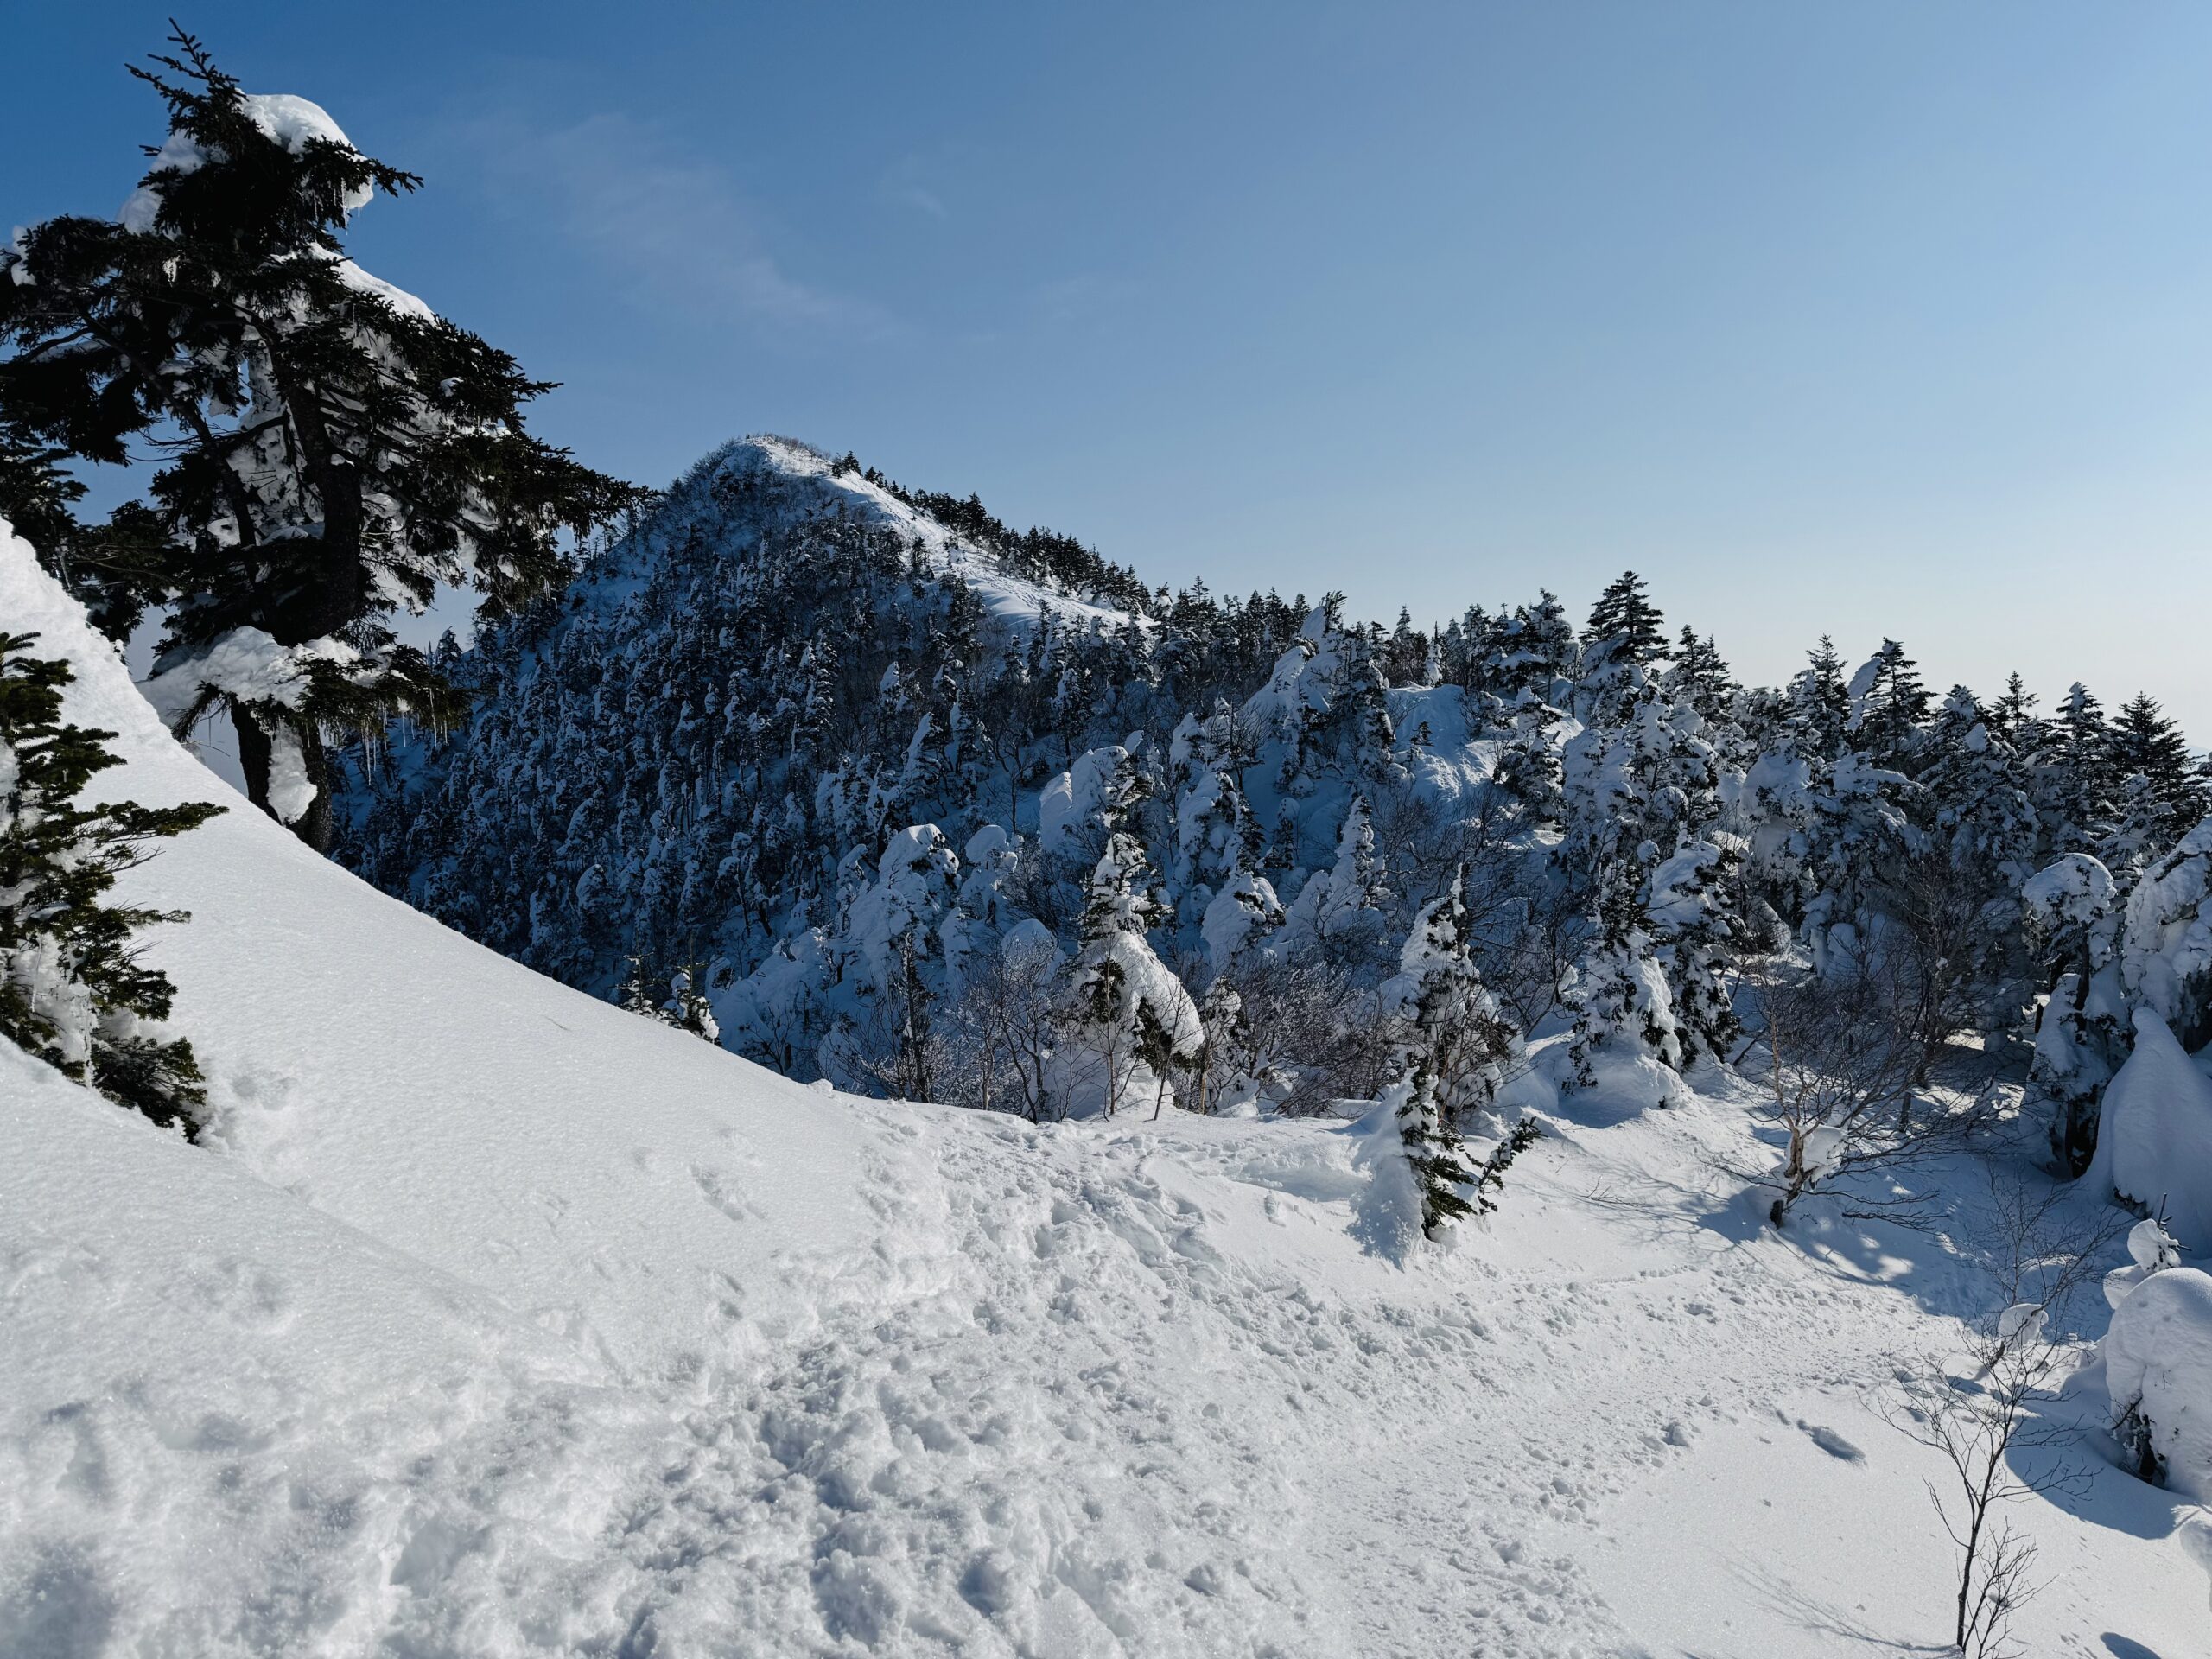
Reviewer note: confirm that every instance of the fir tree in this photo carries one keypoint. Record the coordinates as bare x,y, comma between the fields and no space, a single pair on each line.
335,448
1820,704
2159,791
1129,1009
1699,678
72,991
1625,623
1449,1057
1622,1004
1891,705
1700,936
2076,790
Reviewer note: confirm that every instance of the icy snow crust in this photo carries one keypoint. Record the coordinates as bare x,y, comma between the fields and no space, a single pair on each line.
496,1321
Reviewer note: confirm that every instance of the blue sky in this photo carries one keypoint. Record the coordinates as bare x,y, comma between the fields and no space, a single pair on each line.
1866,320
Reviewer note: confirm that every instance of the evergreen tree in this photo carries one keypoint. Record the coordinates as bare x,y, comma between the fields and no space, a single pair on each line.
1622,1008
2159,791
1698,678
335,448
1819,705
1128,1008
2076,790
1343,907
1625,625
673,996
1449,1061
1700,935
72,991
2072,912
1891,703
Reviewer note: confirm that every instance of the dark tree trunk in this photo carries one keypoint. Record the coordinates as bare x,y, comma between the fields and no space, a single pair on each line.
318,825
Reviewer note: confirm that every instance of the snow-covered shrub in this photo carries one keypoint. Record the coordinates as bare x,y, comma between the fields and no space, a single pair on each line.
1838,1070
2154,1135
72,991
2158,1357
1002,1032
2150,1249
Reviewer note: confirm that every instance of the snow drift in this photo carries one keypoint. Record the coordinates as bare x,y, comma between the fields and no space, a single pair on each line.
2158,1371
2154,1139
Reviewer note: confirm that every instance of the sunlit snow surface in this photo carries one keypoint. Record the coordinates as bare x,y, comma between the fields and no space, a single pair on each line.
496,1321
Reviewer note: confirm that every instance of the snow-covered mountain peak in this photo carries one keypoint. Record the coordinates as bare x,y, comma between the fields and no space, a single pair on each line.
765,481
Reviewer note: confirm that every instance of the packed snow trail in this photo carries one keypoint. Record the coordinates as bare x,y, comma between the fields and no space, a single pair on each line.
495,1321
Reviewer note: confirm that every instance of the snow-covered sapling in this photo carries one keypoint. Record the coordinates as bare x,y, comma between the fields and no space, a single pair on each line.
1976,1415
1836,1063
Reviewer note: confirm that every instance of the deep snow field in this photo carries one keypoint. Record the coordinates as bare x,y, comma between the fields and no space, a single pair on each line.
494,1320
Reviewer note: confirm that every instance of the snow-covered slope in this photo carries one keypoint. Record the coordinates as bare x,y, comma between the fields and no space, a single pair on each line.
496,1321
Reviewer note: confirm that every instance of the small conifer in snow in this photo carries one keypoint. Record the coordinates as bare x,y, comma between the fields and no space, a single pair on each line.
675,996
1451,1057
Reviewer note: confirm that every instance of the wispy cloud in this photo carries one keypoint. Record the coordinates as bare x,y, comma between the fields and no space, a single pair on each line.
918,181
675,229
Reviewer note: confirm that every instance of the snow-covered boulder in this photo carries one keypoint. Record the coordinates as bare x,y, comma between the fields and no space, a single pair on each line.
2157,1360
2154,1137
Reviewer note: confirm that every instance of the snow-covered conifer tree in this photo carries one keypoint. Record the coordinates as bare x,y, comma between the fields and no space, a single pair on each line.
72,991
1625,1039
336,450
2072,913
1450,1051
2159,790
1343,905
1889,704
1129,1009
2165,951
1625,625
1700,936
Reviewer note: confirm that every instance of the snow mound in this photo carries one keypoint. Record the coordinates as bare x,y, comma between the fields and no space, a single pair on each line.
2154,1135
2158,1371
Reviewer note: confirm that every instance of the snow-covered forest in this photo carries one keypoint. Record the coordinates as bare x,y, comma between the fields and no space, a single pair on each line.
952,814
844,1077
